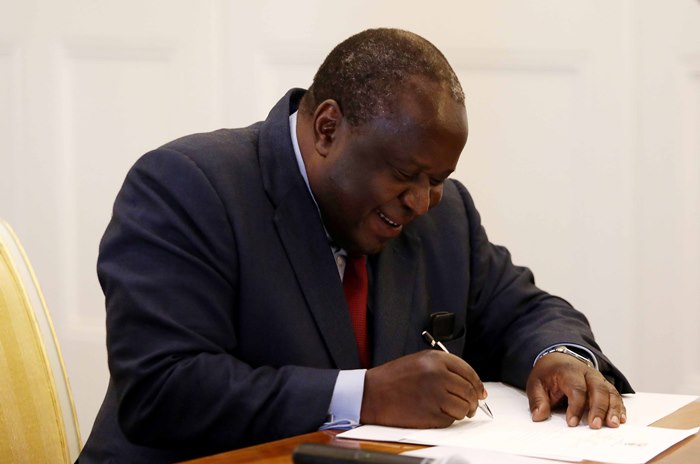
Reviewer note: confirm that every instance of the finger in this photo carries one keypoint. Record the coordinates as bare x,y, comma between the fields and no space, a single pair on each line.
598,399
461,368
473,405
617,413
540,409
472,387
472,410
453,382
576,396
465,392
456,407
462,388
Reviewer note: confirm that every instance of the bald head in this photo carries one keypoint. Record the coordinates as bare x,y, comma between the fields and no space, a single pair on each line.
366,73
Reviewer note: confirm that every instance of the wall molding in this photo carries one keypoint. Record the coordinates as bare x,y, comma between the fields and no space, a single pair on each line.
688,72
72,53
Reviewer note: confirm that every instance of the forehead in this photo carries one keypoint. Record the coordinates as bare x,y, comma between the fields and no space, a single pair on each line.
423,121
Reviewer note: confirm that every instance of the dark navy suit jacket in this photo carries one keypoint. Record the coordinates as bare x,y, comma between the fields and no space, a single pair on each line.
226,320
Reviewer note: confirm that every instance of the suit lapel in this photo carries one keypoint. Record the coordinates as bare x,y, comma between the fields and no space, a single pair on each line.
311,257
302,234
398,297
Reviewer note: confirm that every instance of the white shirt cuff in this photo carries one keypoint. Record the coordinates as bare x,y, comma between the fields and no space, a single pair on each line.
346,402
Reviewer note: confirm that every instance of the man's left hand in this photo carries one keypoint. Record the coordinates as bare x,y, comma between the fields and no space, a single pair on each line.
557,377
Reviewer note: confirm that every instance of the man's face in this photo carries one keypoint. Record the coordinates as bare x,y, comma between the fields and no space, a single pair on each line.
374,179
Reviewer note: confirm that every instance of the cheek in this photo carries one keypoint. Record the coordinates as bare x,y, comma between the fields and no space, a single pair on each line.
435,195
367,186
380,188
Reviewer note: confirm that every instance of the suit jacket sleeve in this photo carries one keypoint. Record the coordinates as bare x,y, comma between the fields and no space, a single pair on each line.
510,320
168,268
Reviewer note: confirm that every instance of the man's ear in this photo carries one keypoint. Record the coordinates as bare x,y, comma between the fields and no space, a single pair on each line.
327,121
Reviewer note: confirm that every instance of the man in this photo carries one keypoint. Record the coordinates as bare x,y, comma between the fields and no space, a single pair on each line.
224,263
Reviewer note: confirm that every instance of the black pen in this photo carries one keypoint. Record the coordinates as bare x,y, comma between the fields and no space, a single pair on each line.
438,345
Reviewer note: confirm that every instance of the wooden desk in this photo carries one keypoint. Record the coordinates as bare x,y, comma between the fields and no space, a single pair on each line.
280,452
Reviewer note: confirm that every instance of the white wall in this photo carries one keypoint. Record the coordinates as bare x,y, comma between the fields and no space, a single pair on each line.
583,154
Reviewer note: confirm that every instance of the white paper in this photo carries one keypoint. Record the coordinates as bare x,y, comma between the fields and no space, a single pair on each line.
647,408
474,456
513,431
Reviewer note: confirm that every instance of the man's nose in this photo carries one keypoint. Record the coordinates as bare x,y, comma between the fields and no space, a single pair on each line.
417,198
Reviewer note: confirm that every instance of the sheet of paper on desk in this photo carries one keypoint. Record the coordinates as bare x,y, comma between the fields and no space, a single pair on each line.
647,408
513,431
475,456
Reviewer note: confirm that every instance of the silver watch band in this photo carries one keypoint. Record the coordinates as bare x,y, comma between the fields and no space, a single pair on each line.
565,350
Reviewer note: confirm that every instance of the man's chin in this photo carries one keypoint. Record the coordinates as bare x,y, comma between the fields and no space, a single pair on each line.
367,248
369,242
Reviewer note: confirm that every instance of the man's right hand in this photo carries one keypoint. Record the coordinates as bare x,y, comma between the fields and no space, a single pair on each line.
428,389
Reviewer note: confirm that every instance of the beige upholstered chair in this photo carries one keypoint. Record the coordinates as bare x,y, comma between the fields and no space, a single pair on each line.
37,416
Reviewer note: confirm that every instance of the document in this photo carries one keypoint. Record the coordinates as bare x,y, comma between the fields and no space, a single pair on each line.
443,454
512,430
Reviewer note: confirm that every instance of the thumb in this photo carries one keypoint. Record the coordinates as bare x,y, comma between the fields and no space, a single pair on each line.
539,401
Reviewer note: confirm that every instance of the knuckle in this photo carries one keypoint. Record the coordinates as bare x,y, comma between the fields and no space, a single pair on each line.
602,389
428,362
599,410
578,390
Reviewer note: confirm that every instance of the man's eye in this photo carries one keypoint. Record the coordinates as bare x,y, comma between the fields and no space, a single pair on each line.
402,175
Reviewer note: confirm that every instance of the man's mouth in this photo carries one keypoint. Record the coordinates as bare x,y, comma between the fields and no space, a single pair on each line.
387,220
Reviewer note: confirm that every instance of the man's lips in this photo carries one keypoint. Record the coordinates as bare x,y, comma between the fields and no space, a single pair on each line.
386,219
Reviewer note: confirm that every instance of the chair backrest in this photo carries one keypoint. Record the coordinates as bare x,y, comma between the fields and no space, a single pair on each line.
37,416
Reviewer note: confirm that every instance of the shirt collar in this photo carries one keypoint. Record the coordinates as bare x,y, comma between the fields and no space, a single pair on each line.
297,153
337,251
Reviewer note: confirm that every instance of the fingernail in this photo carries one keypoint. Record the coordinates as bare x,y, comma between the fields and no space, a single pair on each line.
534,412
573,422
485,394
623,418
597,423
615,421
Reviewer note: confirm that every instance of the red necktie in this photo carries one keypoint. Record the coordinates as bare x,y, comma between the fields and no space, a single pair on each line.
355,287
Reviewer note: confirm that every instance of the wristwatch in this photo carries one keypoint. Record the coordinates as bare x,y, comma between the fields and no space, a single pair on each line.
565,350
